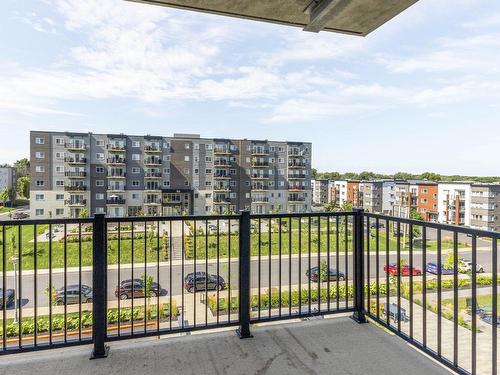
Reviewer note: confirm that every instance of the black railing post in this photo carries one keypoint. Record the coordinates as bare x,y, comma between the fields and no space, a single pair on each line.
99,287
359,279
244,276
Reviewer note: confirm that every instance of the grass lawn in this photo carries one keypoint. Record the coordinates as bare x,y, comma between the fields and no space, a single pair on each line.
6,209
483,301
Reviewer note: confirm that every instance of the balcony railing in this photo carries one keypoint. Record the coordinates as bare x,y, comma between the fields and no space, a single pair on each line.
115,201
75,174
222,150
260,151
258,176
117,160
117,174
75,146
152,175
260,199
296,188
152,149
296,164
406,275
222,163
259,164
75,202
296,176
152,161
75,187
75,160
116,147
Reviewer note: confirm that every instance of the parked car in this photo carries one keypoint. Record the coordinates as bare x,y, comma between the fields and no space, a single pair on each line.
392,268
9,298
373,224
135,289
203,281
18,215
334,275
392,312
73,293
432,267
465,266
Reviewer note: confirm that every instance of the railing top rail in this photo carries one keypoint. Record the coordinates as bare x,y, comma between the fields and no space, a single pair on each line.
170,218
7,223
303,214
429,224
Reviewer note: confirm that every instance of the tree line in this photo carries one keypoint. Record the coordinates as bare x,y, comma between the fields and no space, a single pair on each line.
22,190
431,176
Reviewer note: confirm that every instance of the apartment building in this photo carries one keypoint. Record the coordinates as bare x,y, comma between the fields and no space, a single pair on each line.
485,206
126,175
337,192
353,194
376,196
454,203
427,200
320,192
8,179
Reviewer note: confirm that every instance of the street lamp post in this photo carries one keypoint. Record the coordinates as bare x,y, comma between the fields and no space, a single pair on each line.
14,261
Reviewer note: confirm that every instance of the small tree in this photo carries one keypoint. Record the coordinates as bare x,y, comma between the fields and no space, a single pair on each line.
331,207
23,186
83,213
164,245
148,292
323,271
151,236
4,196
52,293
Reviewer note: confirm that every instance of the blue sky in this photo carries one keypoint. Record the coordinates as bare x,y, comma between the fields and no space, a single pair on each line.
422,93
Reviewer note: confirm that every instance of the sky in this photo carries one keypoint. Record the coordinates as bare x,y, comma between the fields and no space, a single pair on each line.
421,93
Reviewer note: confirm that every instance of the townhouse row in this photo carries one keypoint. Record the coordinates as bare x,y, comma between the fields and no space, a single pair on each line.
79,174
461,203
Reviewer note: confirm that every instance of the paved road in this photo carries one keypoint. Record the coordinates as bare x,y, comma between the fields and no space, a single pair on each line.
175,286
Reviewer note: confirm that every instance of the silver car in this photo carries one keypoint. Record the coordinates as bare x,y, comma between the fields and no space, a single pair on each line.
74,294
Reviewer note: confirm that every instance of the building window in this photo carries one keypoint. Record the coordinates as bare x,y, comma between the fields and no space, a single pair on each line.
280,149
232,183
59,197
136,144
60,183
99,169
166,157
208,195
59,211
196,146
186,146
99,196
186,171
208,159
136,157
186,183
39,212
281,160
40,155
39,141
208,171
135,196
232,171
59,169
99,183
39,197
166,183
99,156
166,145
40,183
59,141
186,157
135,183
136,170
40,168
208,183
100,143
166,170
99,210
272,148
59,155
208,146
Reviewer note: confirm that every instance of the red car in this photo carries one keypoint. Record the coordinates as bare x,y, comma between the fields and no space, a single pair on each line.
405,270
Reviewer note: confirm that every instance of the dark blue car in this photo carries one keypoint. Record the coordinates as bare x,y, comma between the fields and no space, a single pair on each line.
432,267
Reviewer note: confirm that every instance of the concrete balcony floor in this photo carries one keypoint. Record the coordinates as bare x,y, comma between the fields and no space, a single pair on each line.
319,346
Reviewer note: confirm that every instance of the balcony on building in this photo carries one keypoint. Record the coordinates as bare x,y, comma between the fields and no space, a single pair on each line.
259,176
222,149
152,199
117,146
222,162
259,187
221,174
294,197
296,176
76,201
117,173
260,151
296,163
152,148
221,199
257,162
222,187
115,200
152,174
75,174
75,187
296,151
152,161
77,159
260,199
152,187
75,146
116,187
117,160
296,188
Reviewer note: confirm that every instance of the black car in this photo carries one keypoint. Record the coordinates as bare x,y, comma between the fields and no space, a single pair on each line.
9,297
74,293
135,288
335,275
373,225
202,281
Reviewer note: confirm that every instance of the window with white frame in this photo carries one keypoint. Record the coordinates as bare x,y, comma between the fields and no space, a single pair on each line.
186,157
59,197
99,196
135,183
136,157
40,168
99,170
39,212
59,141
60,183
59,211
59,155
99,182
100,143
136,144
136,170
40,155
39,141
39,197
40,183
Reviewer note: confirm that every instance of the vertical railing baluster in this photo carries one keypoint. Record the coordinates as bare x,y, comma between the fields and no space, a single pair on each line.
218,270
377,263
399,268
79,281
259,269
328,262
279,265
182,269
65,285
206,272
410,239
229,271
158,277
300,265
35,288
50,285
132,278
424,286
337,260
99,287
146,291
368,256
244,276
319,265
195,278
170,250
455,298
119,276
494,320
20,283
474,305
4,290
439,295
346,260
387,283
309,265
359,313
269,269
289,266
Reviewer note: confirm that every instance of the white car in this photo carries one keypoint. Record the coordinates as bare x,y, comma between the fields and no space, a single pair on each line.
465,266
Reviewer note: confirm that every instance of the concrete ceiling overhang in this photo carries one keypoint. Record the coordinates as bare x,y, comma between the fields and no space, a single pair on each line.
356,17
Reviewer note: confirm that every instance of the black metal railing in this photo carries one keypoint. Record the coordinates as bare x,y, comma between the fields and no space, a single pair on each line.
75,281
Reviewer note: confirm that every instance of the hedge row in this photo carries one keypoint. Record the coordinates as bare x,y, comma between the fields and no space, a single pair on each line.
73,323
